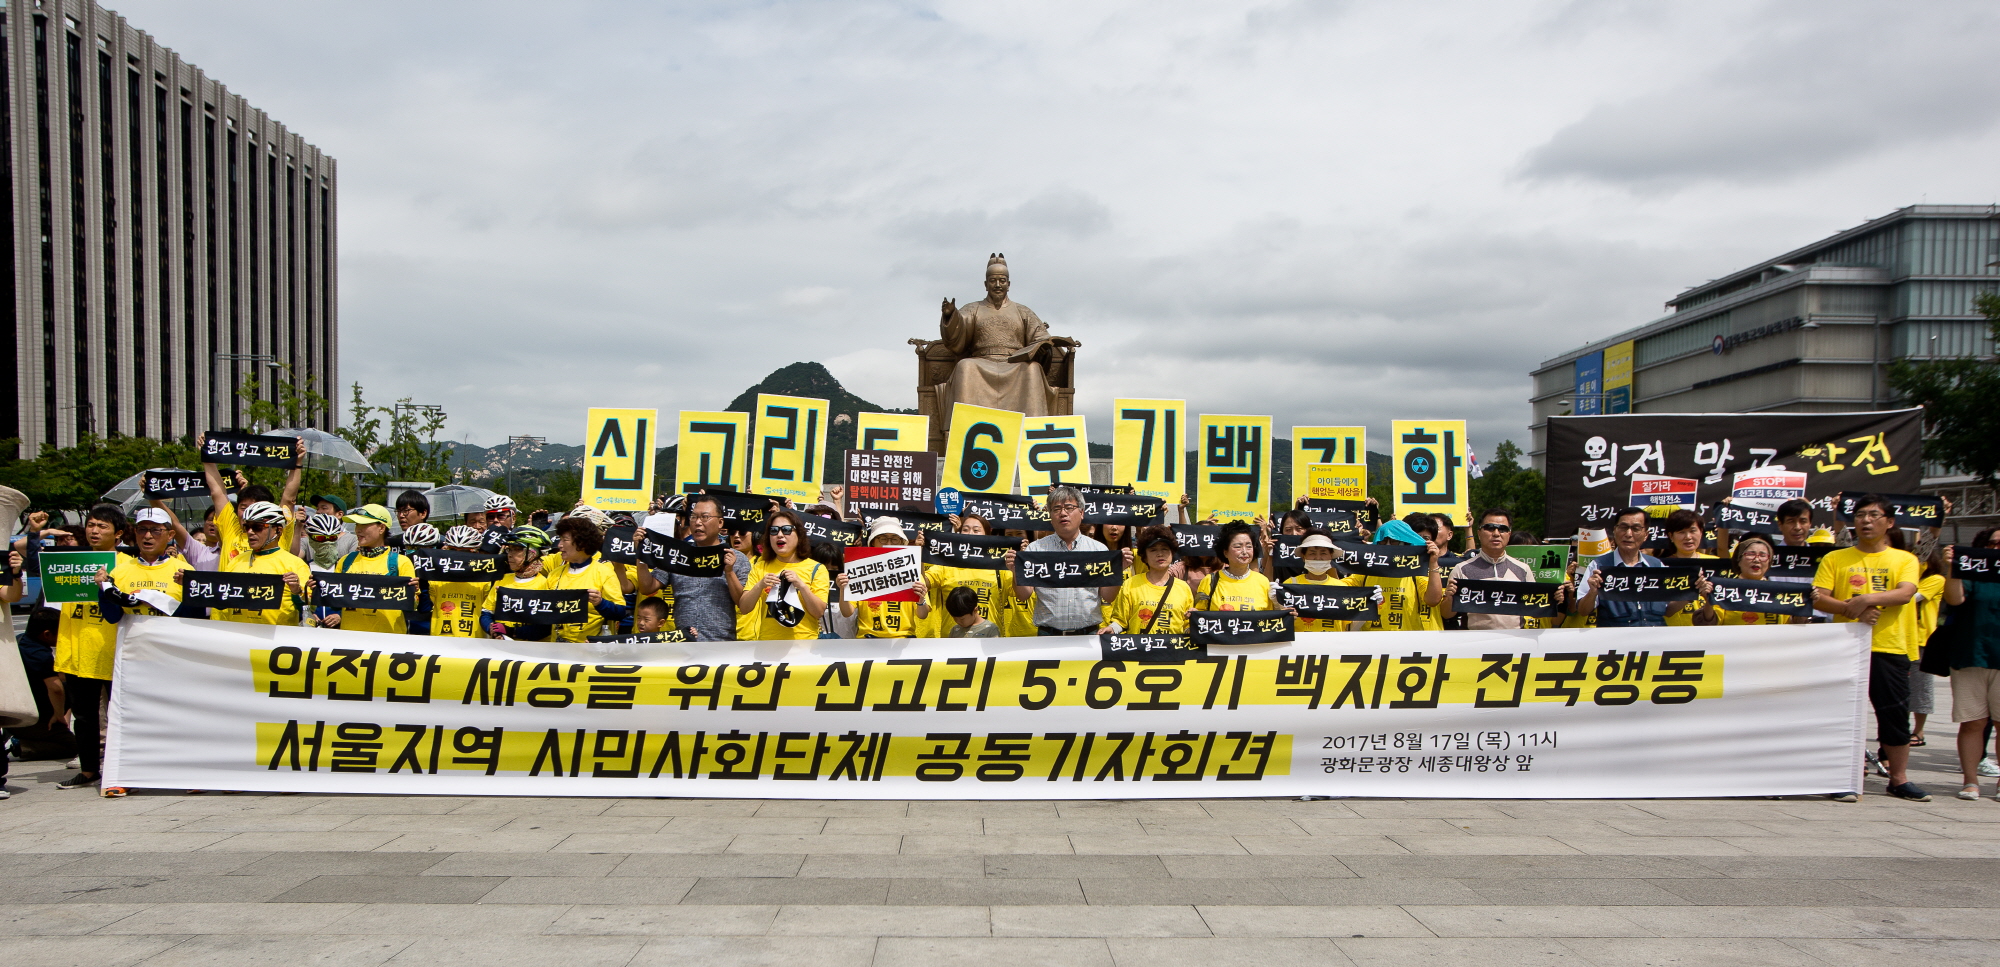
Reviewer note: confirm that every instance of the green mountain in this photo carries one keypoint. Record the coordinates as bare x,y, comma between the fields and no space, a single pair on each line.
809,380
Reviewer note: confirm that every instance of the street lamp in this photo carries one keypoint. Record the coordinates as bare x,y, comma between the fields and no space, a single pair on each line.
215,415
512,442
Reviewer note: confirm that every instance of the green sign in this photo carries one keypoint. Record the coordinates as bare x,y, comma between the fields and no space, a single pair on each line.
1550,561
69,577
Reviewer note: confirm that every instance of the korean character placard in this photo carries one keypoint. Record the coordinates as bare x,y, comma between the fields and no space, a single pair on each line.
249,449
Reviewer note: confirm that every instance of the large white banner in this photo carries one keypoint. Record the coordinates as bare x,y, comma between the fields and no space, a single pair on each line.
1657,712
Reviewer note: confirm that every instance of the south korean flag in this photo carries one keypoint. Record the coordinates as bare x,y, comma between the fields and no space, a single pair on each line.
782,604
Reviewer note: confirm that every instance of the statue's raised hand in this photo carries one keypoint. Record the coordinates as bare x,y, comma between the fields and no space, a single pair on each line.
947,310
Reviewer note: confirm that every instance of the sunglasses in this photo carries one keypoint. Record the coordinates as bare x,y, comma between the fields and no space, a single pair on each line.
1497,528
782,530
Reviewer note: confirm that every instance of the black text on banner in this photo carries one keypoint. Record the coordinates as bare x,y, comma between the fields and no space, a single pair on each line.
1909,510
1763,597
1524,598
1198,540
1127,509
1240,627
438,564
1069,569
1797,562
1152,650
541,607
1285,555
1738,518
1004,511
638,639
1333,602
1975,563
620,545
1336,523
249,449
979,551
236,590
381,592
837,532
1670,583
1384,560
166,484
676,556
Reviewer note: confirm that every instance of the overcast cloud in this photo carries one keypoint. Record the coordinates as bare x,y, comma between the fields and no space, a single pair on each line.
1330,212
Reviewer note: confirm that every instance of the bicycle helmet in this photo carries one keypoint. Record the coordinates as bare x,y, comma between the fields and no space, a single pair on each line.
323,525
462,538
264,512
499,502
529,536
420,535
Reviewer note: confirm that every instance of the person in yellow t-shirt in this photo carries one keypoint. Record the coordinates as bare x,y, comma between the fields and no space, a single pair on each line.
1408,603
1872,583
1317,552
371,532
994,588
233,545
262,528
1238,586
521,557
886,619
455,605
786,590
85,647
1752,562
1684,532
578,539
1157,599
1930,596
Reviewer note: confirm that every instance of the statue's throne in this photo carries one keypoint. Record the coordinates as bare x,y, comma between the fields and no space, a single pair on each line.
935,362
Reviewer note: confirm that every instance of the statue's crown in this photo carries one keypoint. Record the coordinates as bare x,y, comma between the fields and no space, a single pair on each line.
997,258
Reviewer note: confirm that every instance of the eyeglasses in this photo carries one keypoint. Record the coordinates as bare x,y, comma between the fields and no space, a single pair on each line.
782,530
1627,528
1870,515
1065,509
1497,528
694,517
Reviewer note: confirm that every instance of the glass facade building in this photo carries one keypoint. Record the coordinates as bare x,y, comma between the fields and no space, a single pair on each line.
161,224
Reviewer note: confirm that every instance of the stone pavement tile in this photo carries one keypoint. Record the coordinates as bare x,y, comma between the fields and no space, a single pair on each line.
422,823
244,918
1532,827
29,864
988,891
1319,845
1371,891
1031,825
901,921
1374,825
1919,923
1317,809
1178,890
1423,845
527,864
335,841
1135,808
579,824
991,952
765,889
742,825
411,805
174,889
1720,809
903,825
1259,866
1099,921
1312,921
1929,953
1857,829
316,864
683,807
1710,921
828,808
813,843
133,842
654,920
1485,951
1951,829
1088,844
1929,893
1426,809
265,823
1769,891
529,806
1063,865
1649,826
590,889
1600,810
988,809
1808,846
1930,868
1954,848
1836,867
707,864
448,919
924,866
1527,867
1704,952
192,807
390,889
1225,952
1552,891
521,951
497,842
148,864
94,951
987,845
50,889
1234,826
757,952
1655,846
237,950
106,824
51,919
643,843
1528,921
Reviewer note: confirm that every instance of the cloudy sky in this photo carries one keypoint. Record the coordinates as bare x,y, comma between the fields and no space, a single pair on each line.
1340,212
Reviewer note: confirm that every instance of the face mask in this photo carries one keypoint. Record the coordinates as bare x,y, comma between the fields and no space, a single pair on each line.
1318,567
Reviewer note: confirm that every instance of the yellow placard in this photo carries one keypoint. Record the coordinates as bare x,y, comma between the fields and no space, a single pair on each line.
1054,450
714,450
1324,445
1429,467
892,431
788,448
980,450
1337,481
1234,481
618,458
1149,447
1618,378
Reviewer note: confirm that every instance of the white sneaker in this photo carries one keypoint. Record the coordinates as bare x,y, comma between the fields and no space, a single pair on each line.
4,794
1989,768
1969,793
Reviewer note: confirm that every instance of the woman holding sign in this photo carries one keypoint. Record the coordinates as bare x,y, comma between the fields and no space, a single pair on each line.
1156,600
786,592
578,539
995,588
887,619
1752,562
1683,545
1238,586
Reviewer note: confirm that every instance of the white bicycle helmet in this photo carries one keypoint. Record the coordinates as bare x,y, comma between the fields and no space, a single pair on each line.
499,502
420,535
463,538
323,525
264,512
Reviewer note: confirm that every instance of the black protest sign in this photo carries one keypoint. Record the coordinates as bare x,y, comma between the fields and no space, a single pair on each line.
381,592
1527,599
1797,562
541,607
980,551
1763,597
913,521
1670,583
1975,563
438,564
493,538
1150,649
1384,560
1198,540
650,638
1909,510
742,512
167,484
1321,505
1336,523
1128,509
620,545
1738,518
1448,561
235,590
1240,627
889,481
1285,557
1005,511
1069,569
249,449
1333,602
1591,460
839,533
676,556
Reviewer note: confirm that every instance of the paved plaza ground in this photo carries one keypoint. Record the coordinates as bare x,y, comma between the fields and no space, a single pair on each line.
167,879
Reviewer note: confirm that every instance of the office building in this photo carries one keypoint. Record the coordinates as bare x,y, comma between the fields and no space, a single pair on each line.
170,240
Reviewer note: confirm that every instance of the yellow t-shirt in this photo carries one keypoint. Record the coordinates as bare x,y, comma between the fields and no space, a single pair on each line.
1738,619
994,588
597,575
232,545
887,619
1223,591
455,608
1139,597
276,561
1682,615
380,620
808,573
1932,590
1330,578
85,642
1848,572
1403,607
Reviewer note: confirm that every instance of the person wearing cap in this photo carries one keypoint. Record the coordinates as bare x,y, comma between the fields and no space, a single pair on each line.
786,593
994,588
522,560
499,520
886,619
1408,603
233,550
455,604
1316,552
146,582
372,555
1492,563
1157,598
263,525
86,643
327,541
419,537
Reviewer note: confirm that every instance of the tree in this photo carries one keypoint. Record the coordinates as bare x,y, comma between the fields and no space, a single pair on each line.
70,478
1960,398
1506,483
294,406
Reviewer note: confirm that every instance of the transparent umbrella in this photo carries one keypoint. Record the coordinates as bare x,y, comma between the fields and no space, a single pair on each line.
454,500
325,451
